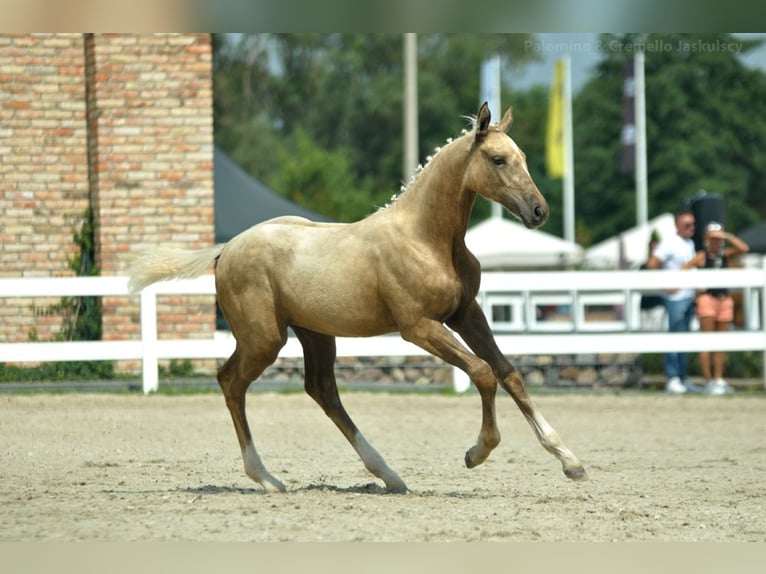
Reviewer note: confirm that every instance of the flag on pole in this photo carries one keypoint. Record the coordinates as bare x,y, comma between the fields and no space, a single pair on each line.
628,135
554,140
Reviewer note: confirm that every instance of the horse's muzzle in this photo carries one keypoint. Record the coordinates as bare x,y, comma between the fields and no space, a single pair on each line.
538,215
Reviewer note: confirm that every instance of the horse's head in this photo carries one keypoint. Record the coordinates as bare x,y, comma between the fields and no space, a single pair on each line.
498,170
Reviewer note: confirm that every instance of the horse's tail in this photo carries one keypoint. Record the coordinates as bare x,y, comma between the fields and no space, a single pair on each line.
167,263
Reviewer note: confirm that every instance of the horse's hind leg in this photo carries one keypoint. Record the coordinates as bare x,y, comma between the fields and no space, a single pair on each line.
234,378
319,356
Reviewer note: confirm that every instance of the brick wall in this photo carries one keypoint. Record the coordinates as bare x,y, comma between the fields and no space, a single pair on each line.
122,123
153,132
43,169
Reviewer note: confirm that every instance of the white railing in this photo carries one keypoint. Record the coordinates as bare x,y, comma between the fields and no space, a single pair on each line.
518,330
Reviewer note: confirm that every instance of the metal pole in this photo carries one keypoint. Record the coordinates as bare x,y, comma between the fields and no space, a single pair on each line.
568,179
763,318
640,119
410,106
491,86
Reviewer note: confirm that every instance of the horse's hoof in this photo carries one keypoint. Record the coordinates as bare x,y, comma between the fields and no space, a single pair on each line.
469,462
578,473
396,486
398,489
273,486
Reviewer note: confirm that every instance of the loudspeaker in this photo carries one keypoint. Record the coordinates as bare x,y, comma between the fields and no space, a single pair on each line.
706,207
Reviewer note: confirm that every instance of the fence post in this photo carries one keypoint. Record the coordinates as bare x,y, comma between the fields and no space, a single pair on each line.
149,340
460,380
763,318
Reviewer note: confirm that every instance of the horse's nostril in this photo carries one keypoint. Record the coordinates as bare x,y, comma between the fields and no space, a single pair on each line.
539,212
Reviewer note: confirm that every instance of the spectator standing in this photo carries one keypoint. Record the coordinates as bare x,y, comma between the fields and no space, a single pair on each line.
673,253
715,306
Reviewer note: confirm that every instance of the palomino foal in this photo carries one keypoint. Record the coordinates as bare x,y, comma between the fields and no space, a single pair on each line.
404,268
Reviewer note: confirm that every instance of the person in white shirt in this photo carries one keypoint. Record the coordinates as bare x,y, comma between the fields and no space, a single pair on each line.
677,252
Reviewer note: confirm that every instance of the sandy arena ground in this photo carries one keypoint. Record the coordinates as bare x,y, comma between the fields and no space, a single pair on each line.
110,467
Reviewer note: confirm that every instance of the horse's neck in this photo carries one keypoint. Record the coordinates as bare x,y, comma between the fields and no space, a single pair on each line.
436,203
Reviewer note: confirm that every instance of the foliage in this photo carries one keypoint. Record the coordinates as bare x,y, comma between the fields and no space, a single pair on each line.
81,321
706,130
177,369
82,315
59,371
318,118
312,175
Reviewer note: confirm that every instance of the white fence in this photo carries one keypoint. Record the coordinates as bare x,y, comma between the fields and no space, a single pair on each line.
512,302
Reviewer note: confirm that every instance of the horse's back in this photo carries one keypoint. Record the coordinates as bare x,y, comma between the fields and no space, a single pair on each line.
322,276
286,232
295,220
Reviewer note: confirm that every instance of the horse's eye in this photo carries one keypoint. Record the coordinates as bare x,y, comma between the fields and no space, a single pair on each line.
498,160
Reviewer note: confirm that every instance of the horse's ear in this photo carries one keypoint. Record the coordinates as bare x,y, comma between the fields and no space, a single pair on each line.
482,122
505,123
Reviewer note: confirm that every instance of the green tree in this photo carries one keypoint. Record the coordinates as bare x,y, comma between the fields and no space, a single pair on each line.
313,177
706,129
340,96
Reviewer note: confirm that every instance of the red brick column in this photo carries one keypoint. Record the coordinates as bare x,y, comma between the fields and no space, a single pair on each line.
123,124
152,127
43,169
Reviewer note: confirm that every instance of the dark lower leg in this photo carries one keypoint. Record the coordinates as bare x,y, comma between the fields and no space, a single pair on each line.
234,379
704,357
320,384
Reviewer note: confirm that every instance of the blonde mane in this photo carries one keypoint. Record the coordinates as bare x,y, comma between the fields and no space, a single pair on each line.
419,169
472,120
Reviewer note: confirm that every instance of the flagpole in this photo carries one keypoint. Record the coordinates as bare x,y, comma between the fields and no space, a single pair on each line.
410,106
640,119
568,179
490,86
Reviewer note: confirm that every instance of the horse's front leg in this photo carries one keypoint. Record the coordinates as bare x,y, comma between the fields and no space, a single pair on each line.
472,326
437,340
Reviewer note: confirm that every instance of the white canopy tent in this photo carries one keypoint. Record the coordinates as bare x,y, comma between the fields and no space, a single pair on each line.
499,244
630,248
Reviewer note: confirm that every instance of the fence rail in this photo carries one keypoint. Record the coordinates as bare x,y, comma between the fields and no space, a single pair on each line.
521,293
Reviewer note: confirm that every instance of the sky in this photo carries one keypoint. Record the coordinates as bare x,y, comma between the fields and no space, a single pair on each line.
584,53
